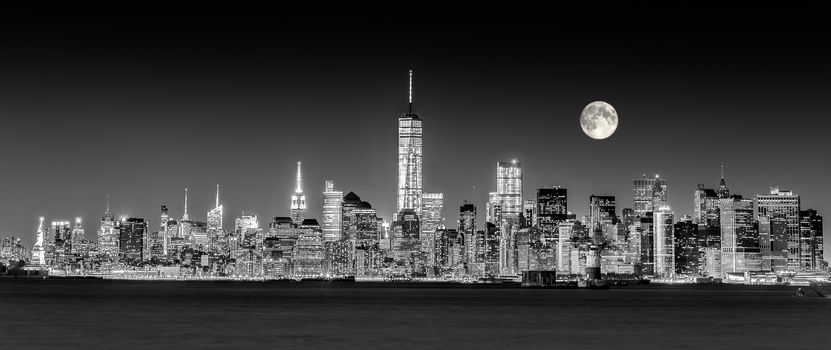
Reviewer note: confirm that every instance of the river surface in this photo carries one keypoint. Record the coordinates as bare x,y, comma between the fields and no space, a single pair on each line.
98,314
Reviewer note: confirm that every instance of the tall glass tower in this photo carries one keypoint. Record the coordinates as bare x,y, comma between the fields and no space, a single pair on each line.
509,189
664,244
332,203
410,186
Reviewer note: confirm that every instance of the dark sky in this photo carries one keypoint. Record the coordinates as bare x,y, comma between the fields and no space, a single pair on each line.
140,102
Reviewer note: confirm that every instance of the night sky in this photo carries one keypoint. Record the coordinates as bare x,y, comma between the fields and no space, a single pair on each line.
139,103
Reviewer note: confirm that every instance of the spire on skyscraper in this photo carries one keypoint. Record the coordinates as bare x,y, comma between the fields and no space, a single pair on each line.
299,188
723,192
185,215
411,92
217,196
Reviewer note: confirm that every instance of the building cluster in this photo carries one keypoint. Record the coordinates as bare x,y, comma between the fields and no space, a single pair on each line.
730,236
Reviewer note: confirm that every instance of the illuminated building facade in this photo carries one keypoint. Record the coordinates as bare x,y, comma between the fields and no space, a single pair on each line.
108,236
406,230
601,214
215,219
783,204
410,186
131,234
664,245
332,202
649,193
552,208
431,212
740,251
509,191
689,246
810,240
467,228
298,200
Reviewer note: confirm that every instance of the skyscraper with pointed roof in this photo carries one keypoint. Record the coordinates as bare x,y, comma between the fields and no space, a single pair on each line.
723,192
108,235
410,187
298,200
215,218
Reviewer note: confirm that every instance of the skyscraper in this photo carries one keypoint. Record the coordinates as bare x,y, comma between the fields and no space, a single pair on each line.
601,214
552,207
410,150
107,236
467,229
298,200
431,212
78,237
509,190
689,247
648,194
783,204
810,240
164,217
332,202
131,233
406,230
664,245
704,201
215,219
740,250
529,212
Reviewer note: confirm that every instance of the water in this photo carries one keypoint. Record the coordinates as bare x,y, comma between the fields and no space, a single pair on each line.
49,314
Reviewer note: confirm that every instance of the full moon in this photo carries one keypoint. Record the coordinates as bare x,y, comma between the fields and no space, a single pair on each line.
599,120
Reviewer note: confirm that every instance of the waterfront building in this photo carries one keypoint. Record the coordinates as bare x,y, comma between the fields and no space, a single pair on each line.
740,251
783,204
810,240
689,245
664,245
12,250
308,252
490,244
773,243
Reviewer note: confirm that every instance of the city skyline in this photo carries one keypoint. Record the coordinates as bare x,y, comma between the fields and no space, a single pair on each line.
405,175
208,119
